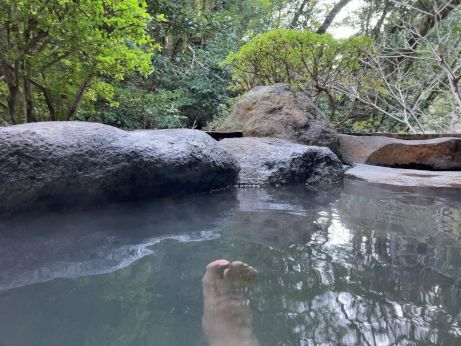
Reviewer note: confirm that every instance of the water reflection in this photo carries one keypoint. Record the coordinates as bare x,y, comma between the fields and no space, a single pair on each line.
41,247
382,268
364,265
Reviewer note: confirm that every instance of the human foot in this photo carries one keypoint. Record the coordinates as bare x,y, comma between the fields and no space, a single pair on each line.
240,274
227,315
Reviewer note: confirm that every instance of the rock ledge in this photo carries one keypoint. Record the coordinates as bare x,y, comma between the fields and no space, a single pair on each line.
405,177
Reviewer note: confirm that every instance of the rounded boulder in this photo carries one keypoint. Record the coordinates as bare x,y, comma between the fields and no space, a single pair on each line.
63,164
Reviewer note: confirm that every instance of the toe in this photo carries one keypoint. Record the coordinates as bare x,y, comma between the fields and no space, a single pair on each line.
218,263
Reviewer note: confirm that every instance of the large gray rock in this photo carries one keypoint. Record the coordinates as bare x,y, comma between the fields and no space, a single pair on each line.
441,154
60,164
278,111
273,161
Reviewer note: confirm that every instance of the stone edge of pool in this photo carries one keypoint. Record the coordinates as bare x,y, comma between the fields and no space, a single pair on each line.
405,177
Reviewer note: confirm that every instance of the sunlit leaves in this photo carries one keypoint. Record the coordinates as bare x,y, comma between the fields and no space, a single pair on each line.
76,39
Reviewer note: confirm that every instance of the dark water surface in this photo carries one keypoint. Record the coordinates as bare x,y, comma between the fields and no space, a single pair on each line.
362,265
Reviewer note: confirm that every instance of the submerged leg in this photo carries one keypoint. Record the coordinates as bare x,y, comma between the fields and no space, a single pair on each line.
227,314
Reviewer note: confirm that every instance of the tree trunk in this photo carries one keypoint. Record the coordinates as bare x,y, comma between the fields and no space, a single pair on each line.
13,92
11,75
11,103
298,13
28,102
332,102
48,99
379,24
78,96
331,16
49,104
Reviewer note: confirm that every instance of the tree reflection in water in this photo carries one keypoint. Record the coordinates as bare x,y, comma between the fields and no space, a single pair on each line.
359,265
376,267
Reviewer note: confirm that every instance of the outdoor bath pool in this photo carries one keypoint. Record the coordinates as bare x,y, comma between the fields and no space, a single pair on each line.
359,265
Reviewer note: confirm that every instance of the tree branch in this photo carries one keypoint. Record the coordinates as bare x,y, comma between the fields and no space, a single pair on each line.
299,11
331,16
79,95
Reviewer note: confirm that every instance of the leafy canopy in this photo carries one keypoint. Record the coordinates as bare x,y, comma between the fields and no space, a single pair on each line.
308,61
68,46
300,58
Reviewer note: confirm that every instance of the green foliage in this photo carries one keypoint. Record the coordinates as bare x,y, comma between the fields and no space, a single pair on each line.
63,48
298,57
308,61
196,76
196,37
93,59
134,108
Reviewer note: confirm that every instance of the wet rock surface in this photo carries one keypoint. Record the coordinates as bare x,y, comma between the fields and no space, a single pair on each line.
440,155
66,164
272,161
430,154
278,111
405,177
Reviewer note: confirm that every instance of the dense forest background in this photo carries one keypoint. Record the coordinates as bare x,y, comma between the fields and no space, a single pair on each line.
162,63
